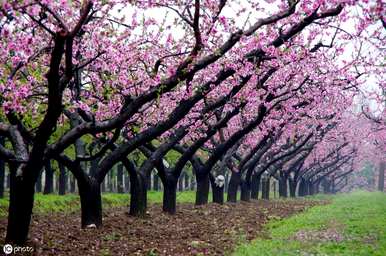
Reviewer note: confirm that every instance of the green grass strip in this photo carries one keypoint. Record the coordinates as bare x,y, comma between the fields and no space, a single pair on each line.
47,204
353,224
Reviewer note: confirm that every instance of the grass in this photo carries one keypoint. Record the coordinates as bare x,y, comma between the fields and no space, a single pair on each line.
52,203
47,204
353,224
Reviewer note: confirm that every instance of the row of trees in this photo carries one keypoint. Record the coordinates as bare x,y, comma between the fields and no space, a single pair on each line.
57,180
97,86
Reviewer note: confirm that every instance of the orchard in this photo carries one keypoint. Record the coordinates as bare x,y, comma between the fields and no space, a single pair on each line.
232,103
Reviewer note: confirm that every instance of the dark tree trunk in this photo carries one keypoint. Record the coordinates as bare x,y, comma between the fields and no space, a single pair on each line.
156,182
170,196
217,192
186,181
283,187
316,188
72,184
202,192
274,188
381,176
120,179
111,181
226,183
62,179
255,186
21,201
192,184
138,191
8,181
49,181
245,191
311,188
103,184
2,171
292,187
233,187
306,188
148,181
127,182
91,203
265,188
180,183
93,165
325,186
303,187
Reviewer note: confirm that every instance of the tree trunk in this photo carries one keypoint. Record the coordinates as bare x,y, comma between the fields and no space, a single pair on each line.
2,171
255,186
186,181
245,191
233,187
307,188
302,187
127,182
120,179
226,183
316,187
292,187
104,184
138,191
170,196
381,176
217,192
274,188
148,181
8,181
21,201
265,188
91,203
156,182
326,186
283,187
111,181
310,188
72,184
62,179
49,181
202,192
193,184
180,183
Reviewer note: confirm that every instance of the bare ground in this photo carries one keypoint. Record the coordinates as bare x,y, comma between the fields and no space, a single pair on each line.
207,230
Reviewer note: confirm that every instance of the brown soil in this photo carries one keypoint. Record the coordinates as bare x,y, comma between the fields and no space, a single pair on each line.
208,230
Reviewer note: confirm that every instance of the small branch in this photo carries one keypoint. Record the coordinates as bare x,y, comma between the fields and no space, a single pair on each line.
86,7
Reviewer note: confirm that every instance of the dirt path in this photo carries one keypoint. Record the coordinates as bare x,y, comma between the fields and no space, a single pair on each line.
207,230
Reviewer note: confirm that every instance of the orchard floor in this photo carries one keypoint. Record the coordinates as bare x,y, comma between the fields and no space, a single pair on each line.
207,230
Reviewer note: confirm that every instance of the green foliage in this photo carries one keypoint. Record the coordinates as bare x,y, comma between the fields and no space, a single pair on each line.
48,204
353,224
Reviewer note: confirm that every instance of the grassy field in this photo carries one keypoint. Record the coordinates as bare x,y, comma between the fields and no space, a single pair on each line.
46,204
353,224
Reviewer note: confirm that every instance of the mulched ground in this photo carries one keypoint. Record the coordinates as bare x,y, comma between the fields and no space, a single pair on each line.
207,230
